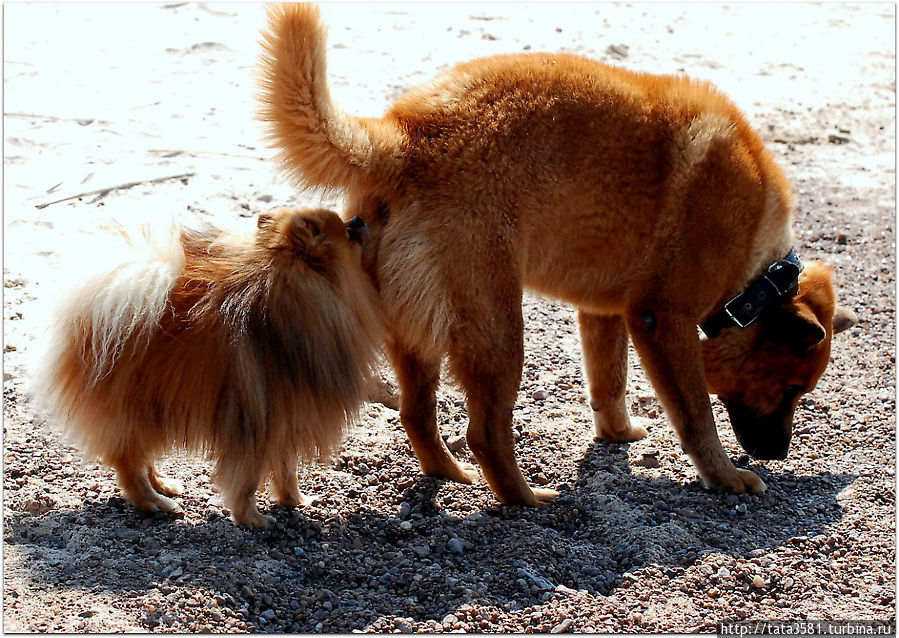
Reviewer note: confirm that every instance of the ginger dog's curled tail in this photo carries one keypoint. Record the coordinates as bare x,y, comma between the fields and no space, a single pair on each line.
318,144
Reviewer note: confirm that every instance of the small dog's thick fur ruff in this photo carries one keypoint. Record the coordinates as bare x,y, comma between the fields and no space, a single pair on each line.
257,351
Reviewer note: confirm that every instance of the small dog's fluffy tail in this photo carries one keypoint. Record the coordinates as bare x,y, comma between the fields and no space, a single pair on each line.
123,299
318,144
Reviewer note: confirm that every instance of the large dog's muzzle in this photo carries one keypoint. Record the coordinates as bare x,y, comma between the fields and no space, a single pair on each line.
766,438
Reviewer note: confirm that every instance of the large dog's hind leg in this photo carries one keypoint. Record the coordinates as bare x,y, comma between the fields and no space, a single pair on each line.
669,348
604,344
418,380
486,356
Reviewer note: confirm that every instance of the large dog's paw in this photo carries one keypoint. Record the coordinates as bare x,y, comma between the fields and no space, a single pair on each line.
619,429
516,491
449,468
531,497
544,496
465,473
738,482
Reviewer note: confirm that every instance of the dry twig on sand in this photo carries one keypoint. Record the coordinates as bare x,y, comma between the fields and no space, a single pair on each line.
109,189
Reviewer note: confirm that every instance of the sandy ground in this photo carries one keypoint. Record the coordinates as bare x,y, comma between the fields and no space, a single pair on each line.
101,95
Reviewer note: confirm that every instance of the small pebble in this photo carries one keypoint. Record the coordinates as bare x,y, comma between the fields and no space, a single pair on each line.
455,443
455,546
405,509
649,461
562,627
539,394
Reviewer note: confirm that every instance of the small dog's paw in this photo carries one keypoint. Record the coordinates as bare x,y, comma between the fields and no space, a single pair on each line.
308,499
297,499
159,503
168,486
253,519
169,506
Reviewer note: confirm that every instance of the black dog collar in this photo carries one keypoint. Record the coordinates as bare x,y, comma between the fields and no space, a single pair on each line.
780,279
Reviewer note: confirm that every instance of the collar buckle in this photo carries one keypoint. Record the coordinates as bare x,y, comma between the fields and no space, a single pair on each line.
780,279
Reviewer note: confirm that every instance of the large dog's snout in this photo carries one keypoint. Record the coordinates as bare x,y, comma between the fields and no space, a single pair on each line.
769,450
765,438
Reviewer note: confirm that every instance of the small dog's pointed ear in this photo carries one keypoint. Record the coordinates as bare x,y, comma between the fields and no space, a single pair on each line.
302,234
264,220
790,326
843,319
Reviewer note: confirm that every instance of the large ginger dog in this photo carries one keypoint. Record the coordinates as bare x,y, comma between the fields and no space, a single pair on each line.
646,201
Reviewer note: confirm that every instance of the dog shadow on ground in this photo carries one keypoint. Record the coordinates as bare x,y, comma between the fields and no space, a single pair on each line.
345,569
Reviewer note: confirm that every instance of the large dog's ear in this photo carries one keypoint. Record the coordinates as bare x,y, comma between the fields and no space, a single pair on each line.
795,326
843,319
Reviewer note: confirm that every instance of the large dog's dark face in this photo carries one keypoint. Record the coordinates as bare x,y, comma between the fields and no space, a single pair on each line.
760,372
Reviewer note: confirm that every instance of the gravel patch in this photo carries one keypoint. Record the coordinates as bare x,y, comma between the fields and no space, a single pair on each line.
633,543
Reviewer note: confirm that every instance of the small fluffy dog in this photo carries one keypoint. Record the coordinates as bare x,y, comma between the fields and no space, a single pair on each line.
257,351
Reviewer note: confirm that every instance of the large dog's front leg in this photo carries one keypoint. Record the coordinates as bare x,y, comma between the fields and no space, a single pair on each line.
604,344
669,348
418,380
